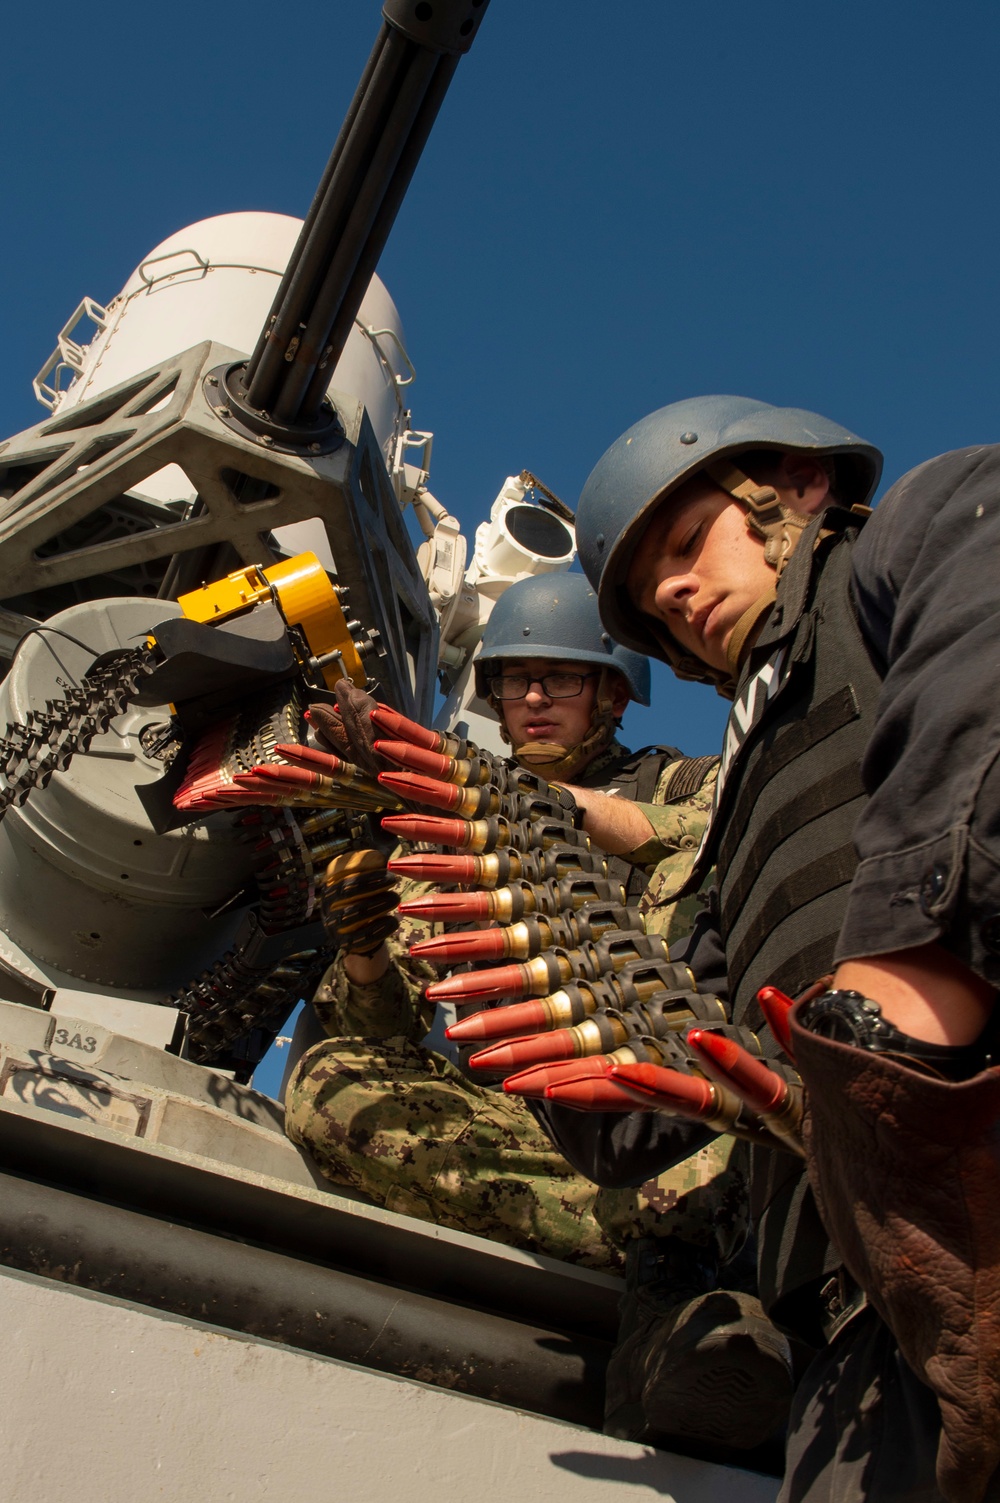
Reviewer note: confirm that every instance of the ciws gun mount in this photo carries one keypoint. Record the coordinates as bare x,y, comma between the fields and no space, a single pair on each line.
235,437
206,532
263,441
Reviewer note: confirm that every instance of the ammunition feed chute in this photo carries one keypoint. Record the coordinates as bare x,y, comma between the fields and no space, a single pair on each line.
237,668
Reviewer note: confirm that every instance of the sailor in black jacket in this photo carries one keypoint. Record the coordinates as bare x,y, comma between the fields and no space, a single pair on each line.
856,831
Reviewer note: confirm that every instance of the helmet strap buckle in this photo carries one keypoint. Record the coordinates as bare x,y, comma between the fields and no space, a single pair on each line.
780,532
778,526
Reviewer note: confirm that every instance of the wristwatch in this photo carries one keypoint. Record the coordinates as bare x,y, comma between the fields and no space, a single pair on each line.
849,1017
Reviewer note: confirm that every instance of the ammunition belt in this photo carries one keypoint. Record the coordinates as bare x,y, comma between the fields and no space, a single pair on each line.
32,752
591,1001
238,996
235,998
236,1007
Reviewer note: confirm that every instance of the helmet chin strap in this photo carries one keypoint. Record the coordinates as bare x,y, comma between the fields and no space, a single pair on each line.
776,524
742,636
685,665
550,759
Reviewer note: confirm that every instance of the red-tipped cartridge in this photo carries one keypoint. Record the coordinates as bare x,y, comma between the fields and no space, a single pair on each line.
590,1093
308,784
524,978
416,789
429,829
223,797
312,757
450,907
518,1019
592,1036
763,1091
434,868
399,728
592,1096
417,758
451,949
535,1082
468,772
518,1054
481,986
669,1090
304,776
776,1008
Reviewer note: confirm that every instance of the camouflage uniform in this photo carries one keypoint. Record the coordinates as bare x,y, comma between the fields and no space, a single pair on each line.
385,1115
704,1198
679,825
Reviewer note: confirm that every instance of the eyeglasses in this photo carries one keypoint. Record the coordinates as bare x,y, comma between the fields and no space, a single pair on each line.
553,685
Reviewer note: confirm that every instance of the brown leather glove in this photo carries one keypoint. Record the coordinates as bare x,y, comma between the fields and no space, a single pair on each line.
350,733
906,1173
357,902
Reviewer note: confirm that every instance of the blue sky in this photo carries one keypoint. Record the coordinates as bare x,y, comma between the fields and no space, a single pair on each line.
620,206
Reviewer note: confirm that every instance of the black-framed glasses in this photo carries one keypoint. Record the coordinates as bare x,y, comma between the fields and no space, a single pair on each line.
553,685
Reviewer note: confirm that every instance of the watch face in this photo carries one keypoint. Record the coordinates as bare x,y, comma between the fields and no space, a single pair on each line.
845,1017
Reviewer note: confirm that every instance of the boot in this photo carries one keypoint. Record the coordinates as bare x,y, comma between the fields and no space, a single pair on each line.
906,1172
692,1361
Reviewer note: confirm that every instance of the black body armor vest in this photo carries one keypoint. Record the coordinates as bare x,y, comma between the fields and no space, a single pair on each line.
789,795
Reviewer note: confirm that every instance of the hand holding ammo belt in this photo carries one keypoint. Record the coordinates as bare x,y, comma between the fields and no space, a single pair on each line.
599,993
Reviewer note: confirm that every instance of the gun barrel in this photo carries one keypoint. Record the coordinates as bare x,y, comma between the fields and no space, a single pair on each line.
387,125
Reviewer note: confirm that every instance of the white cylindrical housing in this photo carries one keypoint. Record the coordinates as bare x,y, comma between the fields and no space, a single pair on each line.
88,891
216,280
518,540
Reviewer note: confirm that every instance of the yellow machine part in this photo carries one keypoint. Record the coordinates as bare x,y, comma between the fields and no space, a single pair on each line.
306,599
226,597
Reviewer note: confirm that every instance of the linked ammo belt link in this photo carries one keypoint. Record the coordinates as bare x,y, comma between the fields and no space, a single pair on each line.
233,997
32,752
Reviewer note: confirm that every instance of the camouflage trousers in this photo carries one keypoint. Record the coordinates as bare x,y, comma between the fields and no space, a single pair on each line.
405,1126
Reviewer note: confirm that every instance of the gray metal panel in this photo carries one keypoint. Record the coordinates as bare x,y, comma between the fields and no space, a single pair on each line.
151,1406
325,1226
30,1032
189,1272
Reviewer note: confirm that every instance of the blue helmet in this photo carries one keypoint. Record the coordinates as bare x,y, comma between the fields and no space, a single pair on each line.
555,616
660,452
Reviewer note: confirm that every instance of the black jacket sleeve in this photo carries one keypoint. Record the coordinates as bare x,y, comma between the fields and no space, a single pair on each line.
927,590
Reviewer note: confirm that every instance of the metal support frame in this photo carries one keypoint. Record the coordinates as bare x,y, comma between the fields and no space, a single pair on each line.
65,469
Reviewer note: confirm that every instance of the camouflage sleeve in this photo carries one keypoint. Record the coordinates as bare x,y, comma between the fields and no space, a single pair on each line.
679,826
671,917
394,1006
